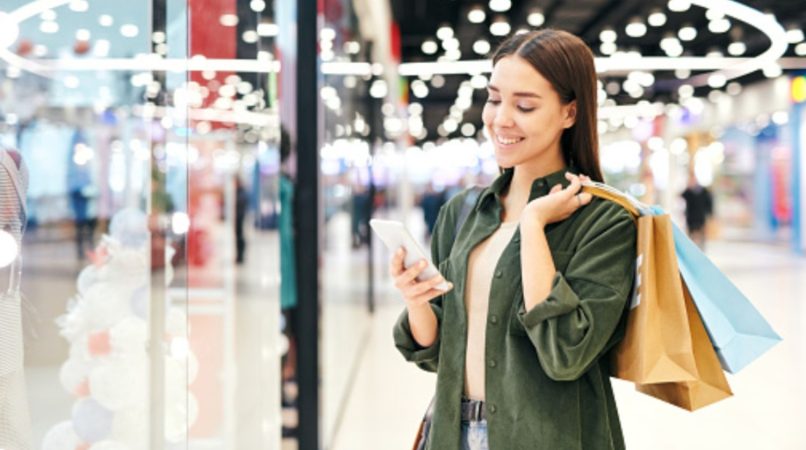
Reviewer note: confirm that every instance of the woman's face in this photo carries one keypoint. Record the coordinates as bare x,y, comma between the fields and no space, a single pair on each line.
525,117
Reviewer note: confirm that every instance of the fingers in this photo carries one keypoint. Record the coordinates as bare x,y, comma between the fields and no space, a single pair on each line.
404,279
396,264
418,289
556,188
428,296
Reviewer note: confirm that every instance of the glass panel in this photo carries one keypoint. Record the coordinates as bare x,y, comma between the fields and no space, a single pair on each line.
143,324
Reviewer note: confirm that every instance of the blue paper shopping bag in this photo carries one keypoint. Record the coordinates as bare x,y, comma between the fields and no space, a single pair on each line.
737,330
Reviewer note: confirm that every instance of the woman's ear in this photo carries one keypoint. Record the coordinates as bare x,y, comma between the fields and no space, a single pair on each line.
570,114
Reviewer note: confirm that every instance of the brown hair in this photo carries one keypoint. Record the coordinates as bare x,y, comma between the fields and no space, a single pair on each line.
567,63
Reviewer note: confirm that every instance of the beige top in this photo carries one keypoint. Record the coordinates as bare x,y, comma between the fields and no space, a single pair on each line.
480,269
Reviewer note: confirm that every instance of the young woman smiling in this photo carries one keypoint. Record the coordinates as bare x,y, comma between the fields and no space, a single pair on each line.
541,272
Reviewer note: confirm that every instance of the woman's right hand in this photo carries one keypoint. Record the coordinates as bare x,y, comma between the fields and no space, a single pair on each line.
415,293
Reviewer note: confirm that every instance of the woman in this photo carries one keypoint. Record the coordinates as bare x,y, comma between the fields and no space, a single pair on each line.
542,272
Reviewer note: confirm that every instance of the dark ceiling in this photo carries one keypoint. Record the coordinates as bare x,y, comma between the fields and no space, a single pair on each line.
420,19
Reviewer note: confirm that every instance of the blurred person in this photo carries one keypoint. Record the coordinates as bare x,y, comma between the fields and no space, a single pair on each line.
79,188
360,215
241,207
541,272
430,202
699,208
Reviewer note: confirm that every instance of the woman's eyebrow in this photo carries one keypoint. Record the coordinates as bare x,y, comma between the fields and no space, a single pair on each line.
517,94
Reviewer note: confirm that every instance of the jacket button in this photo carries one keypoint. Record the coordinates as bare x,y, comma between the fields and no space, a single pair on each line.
493,319
499,274
492,363
492,409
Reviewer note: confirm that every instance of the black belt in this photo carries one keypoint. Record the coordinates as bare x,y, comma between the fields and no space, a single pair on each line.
473,410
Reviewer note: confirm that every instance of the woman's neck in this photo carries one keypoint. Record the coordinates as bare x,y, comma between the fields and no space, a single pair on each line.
517,194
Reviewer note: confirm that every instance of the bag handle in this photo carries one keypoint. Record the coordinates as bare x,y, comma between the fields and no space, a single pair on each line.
626,201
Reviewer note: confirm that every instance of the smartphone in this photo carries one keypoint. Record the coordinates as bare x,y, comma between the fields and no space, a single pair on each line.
395,235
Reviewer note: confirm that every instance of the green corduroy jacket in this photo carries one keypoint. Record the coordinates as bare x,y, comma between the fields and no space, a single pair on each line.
547,383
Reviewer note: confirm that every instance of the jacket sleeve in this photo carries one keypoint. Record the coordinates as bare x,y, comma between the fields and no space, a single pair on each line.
428,358
578,320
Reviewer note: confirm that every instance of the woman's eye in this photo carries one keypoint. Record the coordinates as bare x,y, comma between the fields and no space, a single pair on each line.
493,101
526,109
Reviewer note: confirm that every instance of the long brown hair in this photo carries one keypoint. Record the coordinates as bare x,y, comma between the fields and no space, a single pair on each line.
567,63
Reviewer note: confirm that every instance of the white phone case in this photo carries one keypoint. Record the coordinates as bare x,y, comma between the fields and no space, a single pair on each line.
395,235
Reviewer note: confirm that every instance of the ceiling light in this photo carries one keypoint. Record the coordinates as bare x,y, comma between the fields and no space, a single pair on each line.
352,47
9,30
500,27
49,27
734,88
608,35
478,82
106,20
737,48
445,32
378,89
468,129
250,36
158,37
717,80
476,15
674,51
257,5
635,28
794,35
228,20
536,18
679,5
453,55
438,81
482,47
682,74
714,13
451,44
267,29
685,90
429,47
772,70
800,49
101,48
419,89
608,48
129,30
719,25
500,5
83,34
71,81
48,15
657,18
687,33
327,34
79,5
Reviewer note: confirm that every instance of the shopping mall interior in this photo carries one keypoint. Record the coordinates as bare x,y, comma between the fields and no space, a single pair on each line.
186,188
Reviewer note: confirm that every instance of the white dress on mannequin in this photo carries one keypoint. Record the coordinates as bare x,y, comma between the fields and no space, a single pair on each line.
15,426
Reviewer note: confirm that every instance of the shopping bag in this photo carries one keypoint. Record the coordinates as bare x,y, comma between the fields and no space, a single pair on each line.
737,330
710,386
657,345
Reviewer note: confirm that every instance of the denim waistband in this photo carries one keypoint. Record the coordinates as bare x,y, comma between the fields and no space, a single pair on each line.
473,410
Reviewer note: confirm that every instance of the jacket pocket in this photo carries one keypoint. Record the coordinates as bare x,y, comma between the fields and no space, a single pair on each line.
561,259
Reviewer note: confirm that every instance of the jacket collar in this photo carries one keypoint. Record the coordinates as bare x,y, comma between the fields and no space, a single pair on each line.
540,186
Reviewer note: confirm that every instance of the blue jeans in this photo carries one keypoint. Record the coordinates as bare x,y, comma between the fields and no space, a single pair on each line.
474,435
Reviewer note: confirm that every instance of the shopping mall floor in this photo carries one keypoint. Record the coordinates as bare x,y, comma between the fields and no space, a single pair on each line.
375,399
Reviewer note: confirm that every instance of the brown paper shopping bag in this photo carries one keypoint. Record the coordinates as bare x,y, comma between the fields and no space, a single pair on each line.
657,345
711,384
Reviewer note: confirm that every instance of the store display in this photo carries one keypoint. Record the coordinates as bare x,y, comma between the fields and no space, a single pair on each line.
107,370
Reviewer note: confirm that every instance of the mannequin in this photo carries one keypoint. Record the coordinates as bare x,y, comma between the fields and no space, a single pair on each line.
14,417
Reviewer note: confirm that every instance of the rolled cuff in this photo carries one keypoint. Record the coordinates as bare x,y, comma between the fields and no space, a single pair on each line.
408,347
561,300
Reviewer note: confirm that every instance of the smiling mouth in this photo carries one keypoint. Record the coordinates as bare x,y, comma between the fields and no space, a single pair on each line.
507,141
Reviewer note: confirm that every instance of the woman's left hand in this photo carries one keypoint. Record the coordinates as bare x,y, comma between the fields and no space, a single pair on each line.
558,204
